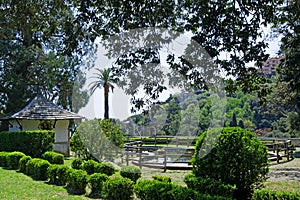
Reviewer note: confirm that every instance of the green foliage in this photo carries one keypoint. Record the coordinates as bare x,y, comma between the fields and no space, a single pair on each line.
77,181
96,181
53,157
57,174
233,156
131,172
44,58
106,168
37,167
209,186
13,159
165,179
153,190
90,166
266,194
23,162
118,188
78,147
32,143
102,138
77,163
3,159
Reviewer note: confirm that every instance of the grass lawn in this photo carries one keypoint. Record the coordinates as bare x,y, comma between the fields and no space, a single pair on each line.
16,185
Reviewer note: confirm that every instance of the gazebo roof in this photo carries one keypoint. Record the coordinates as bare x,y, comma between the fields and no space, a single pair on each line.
42,109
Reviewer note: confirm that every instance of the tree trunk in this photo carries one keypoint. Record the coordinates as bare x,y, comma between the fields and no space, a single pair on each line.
106,106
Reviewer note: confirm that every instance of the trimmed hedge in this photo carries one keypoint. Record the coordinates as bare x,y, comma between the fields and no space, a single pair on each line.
92,167
53,157
37,167
77,181
118,188
153,190
160,178
32,143
131,172
23,162
106,168
96,181
209,186
13,159
77,163
266,194
3,159
57,174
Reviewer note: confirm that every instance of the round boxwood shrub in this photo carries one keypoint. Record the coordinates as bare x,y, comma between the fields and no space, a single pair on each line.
77,163
105,168
118,188
13,159
96,181
131,172
37,167
90,166
234,156
53,157
77,181
23,162
57,174
3,159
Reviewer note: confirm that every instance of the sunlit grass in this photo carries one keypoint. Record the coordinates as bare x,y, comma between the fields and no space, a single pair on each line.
15,185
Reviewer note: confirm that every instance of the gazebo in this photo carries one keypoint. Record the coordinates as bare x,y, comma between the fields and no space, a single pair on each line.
39,112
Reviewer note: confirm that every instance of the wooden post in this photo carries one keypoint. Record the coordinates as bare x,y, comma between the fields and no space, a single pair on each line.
165,160
140,157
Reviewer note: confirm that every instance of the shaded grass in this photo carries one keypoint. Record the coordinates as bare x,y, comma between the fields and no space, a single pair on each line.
15,185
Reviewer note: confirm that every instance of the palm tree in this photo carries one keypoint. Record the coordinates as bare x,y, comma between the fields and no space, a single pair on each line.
104,79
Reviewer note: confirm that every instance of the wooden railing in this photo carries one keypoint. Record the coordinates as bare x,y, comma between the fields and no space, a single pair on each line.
158,157
279,148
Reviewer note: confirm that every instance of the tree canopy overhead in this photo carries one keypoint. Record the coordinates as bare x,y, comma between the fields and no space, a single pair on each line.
40,52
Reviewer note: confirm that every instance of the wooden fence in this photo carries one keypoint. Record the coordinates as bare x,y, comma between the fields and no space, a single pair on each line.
279,148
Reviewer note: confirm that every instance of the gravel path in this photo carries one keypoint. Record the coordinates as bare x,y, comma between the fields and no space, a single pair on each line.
285,171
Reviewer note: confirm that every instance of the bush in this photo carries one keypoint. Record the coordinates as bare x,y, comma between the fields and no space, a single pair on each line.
3,159
131,172
77,163
274,195
209,186
32,143
160,178
57,174
233,156
13,159
90,166
96,181
77,181
118,188
106,168
153,190
23,162
37,167
53,157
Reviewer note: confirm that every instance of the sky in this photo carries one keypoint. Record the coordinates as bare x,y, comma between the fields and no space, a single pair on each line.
119,102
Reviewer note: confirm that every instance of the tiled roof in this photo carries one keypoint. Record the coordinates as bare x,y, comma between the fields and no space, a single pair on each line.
42,109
